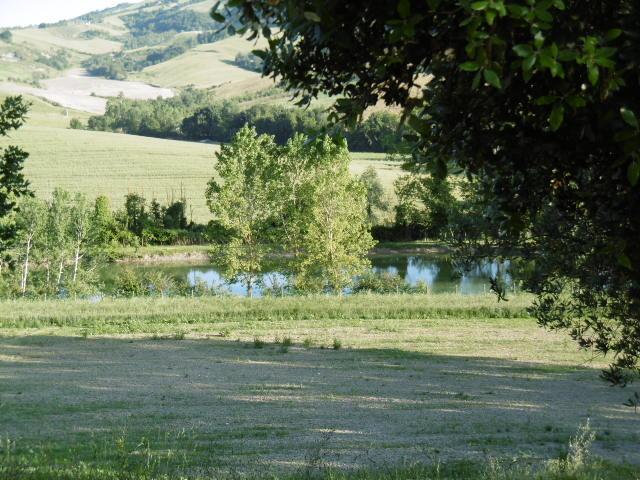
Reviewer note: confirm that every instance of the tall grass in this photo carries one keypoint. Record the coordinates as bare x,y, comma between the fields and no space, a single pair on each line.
144,314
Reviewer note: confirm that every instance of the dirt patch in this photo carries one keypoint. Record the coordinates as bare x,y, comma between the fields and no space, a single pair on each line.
252,408
79,91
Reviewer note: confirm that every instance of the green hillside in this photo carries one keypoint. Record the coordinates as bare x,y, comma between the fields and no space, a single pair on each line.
112,164
134,30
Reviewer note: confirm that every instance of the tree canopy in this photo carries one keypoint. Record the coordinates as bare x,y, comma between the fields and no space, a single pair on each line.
13,185
536,100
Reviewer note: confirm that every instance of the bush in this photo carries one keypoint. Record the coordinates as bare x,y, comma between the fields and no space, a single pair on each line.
76,124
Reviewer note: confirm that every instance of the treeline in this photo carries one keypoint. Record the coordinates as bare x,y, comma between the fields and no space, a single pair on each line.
451,210
176,19
196,115
60,244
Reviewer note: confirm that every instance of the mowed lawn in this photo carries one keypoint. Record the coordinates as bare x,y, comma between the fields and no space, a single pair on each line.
102,163
179,384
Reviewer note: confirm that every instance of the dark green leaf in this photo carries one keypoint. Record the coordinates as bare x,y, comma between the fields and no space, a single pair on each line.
629,117
523,50
476,81
469,67
492,78
217,16
613,34
576,101
546,100
529,62
479,5
593,74
625,261
557,117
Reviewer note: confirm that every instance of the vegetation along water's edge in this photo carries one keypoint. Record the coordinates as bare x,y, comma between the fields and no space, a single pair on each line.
151,254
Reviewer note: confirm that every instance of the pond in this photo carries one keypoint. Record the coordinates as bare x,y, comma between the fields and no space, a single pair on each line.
438,272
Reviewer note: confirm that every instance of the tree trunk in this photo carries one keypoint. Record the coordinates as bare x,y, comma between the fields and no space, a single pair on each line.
25,269
76,261
60,267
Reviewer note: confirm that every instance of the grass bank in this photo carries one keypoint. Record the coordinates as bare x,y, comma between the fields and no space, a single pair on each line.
199,253
368,386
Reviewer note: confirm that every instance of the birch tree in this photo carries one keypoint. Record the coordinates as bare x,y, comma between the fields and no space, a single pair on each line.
79,229
29,224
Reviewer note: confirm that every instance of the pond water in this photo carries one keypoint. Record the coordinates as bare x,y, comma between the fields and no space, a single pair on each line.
437,271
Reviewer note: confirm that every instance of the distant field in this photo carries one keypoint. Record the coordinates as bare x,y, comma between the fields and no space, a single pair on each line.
204,66
101,163
47,38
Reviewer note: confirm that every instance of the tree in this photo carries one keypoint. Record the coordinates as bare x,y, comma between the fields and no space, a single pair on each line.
536,101
135,210
104,228
240,198
58,243
335,233
377,201
79,230
13,185
424,203
6,36
29,225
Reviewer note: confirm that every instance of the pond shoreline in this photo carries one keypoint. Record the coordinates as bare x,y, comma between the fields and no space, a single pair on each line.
200,253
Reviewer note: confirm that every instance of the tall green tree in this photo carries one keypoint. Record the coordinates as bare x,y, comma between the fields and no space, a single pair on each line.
58,243
30,222
241,199
377,202
79,230
536,100
335,232
104,228
13,184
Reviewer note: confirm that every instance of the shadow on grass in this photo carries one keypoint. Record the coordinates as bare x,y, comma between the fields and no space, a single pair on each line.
219,404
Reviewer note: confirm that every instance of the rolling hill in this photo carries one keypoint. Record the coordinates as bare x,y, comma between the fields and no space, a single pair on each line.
115,164
134,31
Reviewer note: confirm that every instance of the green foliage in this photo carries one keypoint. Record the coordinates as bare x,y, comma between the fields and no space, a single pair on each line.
535,101
176,19
76,124
56,244
13,185
300,197
58,60
6,36
242,202
249,61
424,202
196,115
333,233
377,201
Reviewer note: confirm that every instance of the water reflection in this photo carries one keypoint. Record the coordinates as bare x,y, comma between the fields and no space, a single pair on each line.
439,272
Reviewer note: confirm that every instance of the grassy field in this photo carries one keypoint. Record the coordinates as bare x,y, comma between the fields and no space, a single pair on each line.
296,386
101,163
204,66
54,37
